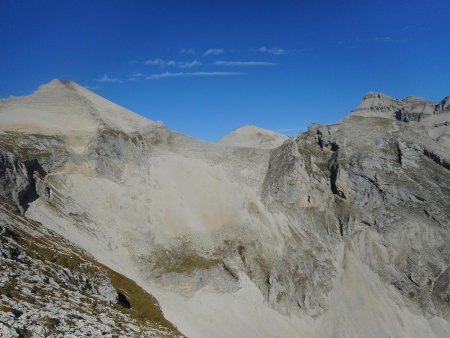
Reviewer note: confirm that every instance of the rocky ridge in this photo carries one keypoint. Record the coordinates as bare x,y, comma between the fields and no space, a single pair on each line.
342,225
429,115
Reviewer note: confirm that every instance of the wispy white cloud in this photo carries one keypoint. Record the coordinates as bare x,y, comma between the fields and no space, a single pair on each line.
172,63
106,78
191,64
213,51
156,62
243,63
273,51
191,74
188,51
135,76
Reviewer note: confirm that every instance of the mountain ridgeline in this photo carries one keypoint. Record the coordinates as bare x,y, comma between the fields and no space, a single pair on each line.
340,231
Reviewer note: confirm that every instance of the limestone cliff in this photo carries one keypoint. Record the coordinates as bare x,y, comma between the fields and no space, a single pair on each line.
340,231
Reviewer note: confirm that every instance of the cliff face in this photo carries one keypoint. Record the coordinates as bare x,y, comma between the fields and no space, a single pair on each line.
340,231
423,114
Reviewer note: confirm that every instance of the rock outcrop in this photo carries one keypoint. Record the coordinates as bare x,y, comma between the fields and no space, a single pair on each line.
340,231
431,116
51,288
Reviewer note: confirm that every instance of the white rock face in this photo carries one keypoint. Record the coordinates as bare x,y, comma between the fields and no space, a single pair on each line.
65,108
433,116
253,137
342,231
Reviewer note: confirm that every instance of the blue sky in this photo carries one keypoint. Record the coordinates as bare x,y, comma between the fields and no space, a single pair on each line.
207,67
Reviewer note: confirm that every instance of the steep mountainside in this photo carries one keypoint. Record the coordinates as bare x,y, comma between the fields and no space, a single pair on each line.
253,137
51,288
341,231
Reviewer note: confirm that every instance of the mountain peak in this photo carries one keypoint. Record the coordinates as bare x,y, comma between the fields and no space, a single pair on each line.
58,84
253,137
376,101
375,104
63,106
376,95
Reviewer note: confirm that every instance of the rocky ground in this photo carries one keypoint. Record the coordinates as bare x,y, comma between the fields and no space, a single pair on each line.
49,288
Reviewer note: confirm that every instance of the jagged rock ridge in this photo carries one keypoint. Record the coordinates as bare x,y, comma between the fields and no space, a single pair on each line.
340,231
432,116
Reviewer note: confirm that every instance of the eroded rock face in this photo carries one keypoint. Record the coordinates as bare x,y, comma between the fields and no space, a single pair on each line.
346,224
18,180
393,187
14,180
383,179
434,117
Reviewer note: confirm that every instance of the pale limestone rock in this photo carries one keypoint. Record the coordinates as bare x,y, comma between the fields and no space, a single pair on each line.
340,231
253,137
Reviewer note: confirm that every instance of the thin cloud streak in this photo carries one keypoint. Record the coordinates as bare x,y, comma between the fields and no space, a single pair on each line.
135,77
172,63
273,51
191,64
213,51
191,74
106,78
155,62
243,63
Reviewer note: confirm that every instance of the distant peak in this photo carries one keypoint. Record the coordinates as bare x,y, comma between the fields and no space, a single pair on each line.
409,108
376,95
254,137
376,101
59,84
381,97
250,127
64,107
